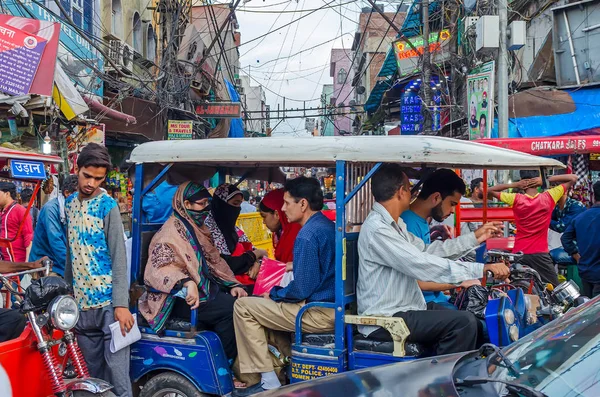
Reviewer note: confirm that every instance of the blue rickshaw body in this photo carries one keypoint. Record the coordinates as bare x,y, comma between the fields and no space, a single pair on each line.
201,360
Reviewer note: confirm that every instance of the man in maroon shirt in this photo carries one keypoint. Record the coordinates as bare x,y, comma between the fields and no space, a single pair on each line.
11,216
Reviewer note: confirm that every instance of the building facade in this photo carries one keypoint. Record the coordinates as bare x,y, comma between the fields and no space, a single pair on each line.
255,108
341,72
326,125
372,40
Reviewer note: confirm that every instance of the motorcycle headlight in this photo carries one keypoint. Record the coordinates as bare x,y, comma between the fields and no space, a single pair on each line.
64,312
509,316
513,331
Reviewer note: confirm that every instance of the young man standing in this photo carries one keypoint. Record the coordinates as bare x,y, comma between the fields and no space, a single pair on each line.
97,267
50,237
314,281
12,216
533,212
581,241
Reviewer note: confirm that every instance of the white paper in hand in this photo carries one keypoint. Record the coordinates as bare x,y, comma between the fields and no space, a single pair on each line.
118,341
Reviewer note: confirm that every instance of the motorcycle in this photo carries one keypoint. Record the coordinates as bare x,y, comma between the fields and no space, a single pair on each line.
515,309
45,359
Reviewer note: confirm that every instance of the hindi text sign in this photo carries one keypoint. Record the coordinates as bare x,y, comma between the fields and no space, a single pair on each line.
20,55
21,169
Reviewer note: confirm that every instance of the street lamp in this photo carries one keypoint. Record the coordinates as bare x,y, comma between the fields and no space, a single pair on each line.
46,146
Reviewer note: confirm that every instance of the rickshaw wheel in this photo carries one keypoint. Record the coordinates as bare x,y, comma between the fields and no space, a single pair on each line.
82,393
170,384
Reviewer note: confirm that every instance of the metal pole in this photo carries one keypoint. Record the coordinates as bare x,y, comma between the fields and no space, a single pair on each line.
573,56
503,71
427,116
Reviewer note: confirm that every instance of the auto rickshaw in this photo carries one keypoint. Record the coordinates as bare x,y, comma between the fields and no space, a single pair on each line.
190,361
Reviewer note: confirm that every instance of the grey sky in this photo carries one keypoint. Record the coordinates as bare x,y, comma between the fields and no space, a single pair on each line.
301,76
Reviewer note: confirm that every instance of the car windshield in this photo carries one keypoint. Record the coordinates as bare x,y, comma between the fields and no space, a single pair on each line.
560,359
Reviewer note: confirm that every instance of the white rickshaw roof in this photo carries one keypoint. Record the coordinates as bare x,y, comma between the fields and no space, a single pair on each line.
414,151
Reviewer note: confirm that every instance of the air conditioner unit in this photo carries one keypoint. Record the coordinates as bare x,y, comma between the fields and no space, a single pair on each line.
127,58
115,53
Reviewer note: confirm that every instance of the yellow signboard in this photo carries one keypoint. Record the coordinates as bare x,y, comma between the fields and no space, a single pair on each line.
179,130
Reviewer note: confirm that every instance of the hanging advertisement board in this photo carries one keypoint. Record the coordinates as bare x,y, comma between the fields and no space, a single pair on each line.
179,130
408,58
76,55
480,101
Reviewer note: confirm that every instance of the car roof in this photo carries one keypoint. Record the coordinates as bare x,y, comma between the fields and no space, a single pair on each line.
414,151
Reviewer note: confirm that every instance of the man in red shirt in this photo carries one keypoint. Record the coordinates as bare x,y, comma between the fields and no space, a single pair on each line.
533,212
12,215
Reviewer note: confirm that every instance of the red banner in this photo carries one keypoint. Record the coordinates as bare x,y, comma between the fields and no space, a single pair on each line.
549,146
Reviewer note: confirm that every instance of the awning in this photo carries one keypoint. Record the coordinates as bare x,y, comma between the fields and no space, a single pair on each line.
376,95
552,113
556,146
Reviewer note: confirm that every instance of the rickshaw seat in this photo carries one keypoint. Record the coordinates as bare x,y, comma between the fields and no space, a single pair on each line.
365,344
318,339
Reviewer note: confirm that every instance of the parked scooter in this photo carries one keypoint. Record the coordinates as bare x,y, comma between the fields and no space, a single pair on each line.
45,359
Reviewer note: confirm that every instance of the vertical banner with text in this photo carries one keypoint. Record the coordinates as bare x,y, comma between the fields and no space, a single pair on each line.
480,101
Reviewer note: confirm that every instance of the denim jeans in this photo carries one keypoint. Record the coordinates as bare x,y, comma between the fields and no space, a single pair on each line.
560,257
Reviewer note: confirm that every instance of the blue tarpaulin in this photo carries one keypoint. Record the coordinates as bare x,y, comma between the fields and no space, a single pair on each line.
236,128
584,120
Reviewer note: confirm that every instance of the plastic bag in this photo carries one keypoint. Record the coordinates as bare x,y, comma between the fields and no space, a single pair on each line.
42,291
288,277
474,299
270,274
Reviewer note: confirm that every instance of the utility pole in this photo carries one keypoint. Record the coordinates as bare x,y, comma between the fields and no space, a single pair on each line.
503,71
426,84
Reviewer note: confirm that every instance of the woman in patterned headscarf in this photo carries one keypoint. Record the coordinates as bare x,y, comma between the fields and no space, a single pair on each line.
183,260
234,245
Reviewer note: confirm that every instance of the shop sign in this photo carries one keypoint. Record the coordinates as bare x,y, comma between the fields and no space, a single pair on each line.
408,58
180,130
411,118
220,110
20,55
75,53
20,169
480,97
549,146
28,45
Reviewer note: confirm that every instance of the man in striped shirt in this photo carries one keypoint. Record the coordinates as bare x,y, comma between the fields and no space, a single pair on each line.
392,261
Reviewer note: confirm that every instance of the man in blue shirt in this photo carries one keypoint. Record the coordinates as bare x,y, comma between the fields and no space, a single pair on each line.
314,270
581,240
50,236
439,196
565,211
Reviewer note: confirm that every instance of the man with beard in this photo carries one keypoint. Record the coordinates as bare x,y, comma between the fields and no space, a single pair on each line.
438,199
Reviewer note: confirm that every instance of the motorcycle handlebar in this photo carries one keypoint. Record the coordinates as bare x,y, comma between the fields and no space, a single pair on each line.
5,278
